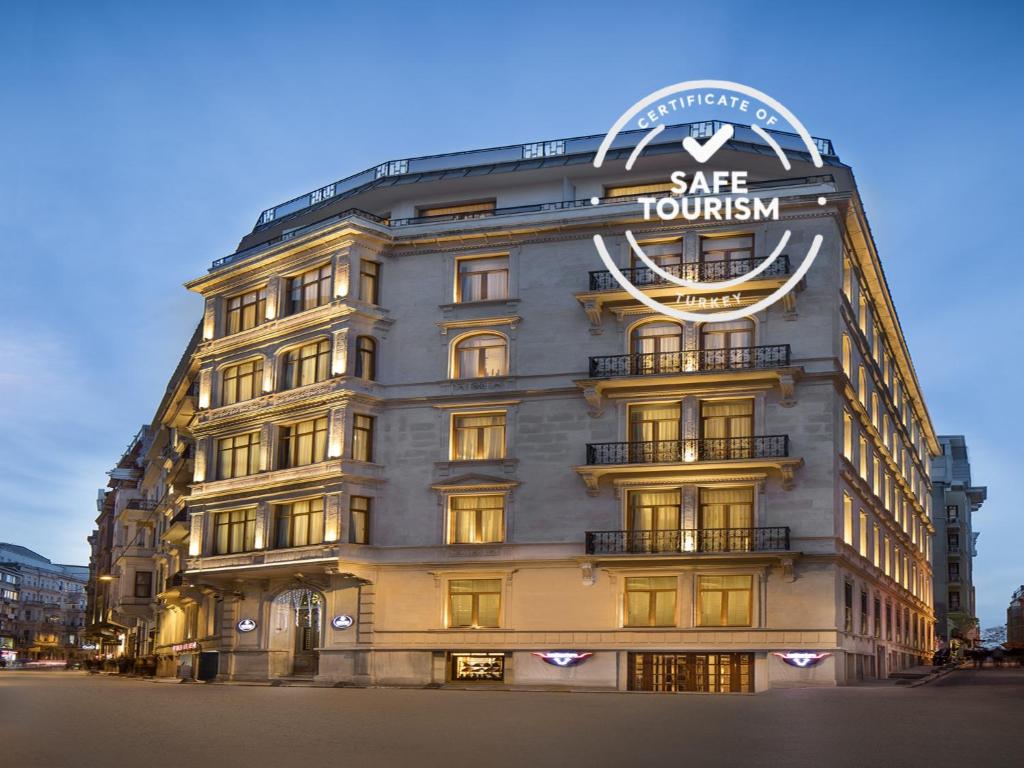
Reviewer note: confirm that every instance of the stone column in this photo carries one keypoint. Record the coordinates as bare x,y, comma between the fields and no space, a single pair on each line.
199,466
275,300
339,353
205,387
264,533
342,273
266,447
210,318
195,535
336,432
334,528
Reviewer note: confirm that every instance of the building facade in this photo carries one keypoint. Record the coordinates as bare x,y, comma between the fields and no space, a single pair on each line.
42,607
956,500
1015,620
435,444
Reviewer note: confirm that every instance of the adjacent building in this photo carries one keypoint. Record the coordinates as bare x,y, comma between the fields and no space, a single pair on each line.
1015,620
432,442
956,500
42,607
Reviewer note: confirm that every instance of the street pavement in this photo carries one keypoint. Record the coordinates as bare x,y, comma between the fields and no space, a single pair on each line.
75,720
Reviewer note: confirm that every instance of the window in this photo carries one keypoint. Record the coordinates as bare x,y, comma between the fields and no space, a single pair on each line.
728,256
724,601
667,254
459,210
234,532
952,513
726,427
482,279
862,386
888,620
369,281
727,345
143,584
304,443
954,600
848,519
300,523
876,547
238,456
954,572
864,458
863,548
247,310
657,348
363,437
480,356
478,436
359,512
848,436
848,606
310,289
476,519
953,542
366,358
474,603
877,605
657,188
307,364
863,611
848,278
725,519
241,382
651,601
847,357
652,519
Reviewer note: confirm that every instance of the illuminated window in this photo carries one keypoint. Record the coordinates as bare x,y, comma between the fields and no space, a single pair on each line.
848,436
847,606
862,386
478,436
474,603
304,443
299,524
724,601
481,356
847,357
366,358
459,211
847,519
482,279
651,601
848,279
657,188
863,548
864,612
864,458
362,437
876,546
476,519
307,364
241,382
234,531
369,281
247,310
238,455
310,289
726,256
359,513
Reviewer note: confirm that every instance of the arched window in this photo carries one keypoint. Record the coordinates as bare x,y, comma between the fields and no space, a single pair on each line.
479,356
727,345
657,348
366,358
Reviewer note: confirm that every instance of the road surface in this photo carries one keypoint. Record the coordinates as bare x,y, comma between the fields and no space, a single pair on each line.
75,720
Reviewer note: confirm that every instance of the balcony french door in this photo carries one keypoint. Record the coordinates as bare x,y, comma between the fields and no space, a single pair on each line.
727,428
653,523
725,346
657,348
654,432
725,520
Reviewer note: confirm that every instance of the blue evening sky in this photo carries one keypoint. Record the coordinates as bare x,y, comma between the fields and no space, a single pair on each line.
140,140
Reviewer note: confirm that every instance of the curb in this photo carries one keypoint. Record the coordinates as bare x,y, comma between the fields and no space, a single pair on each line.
933,676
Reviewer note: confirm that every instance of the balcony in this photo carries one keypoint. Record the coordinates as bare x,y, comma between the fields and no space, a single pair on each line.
688,541
675,451
605,292
747,458
644,277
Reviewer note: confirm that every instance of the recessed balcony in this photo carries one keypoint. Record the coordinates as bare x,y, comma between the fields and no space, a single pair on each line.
689,541
707,271
748,458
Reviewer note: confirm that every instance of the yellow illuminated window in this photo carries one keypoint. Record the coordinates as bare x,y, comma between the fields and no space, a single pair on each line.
474,603
651,601
724,601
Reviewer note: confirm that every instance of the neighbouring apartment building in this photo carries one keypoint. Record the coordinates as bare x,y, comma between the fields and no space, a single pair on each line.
435,443
1015,620
42,607
955,500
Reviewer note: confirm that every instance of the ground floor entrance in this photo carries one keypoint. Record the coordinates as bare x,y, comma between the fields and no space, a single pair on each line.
694,672
297,624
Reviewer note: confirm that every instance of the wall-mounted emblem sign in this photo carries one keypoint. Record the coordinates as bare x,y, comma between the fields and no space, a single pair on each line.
802,659
563,658
344,621
246,625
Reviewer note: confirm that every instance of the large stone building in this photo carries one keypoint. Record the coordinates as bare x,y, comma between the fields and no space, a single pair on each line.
42,607
436,444
1015,620
956,500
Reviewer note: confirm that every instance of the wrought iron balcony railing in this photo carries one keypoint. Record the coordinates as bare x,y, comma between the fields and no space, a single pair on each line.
690,361
677,451
706,271
688,541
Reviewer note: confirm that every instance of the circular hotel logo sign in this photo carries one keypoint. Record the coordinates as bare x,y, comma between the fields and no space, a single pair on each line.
342,622
246,625
708,194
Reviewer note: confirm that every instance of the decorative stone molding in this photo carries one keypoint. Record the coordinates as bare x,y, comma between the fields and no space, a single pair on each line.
787,388
587,571
512,321
592,308
595,402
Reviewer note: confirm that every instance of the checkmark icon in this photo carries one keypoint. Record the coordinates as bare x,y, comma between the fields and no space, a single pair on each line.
703,152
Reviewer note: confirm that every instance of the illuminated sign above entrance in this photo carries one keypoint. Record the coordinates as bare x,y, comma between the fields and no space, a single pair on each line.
246,625
343,621
802,659
563,658
192,645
